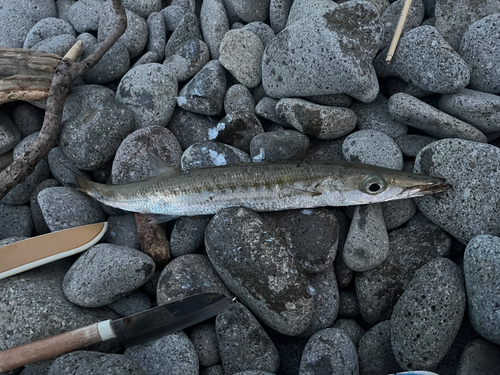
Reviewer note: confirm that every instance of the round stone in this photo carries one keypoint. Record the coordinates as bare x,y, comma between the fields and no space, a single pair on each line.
212,154
278,145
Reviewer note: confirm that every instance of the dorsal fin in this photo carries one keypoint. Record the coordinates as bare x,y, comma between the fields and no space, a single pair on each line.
159,166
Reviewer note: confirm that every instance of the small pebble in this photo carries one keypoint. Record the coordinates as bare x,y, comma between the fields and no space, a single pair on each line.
239,98
173,15
243,343
278,14
105,273
204,339
348,305
157,34
59,163
479,357
212,154
187,59
262,30
188,235
143,8
251,10
84,15
320,149
323,122
83,98
278,145
122,231
411,144
45,29
398,212
188,28
303,9
390,18
36,212
351,328
266,108
214,25
188,127
9,134
132,303
16,221
28,119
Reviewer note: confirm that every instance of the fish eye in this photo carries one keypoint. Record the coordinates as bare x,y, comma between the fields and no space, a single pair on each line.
373,185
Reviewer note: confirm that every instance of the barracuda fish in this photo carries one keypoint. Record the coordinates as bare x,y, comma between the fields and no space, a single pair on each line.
261,187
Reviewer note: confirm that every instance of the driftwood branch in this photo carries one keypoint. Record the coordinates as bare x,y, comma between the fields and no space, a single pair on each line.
65,73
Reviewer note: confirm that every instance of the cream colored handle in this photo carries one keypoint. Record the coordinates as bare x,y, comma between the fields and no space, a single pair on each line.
54,346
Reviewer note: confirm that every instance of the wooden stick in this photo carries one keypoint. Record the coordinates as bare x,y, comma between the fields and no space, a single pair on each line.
74,53
399,29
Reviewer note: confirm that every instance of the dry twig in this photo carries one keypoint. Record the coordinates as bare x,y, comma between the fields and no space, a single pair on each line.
399,29
66,72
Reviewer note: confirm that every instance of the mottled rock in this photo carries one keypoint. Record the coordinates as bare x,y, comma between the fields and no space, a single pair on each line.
278,14
425,59
157,34
187,235
59,44
398,212
262,30
329,351
418,114
46,29
316,120
278,145
204,93
62,167
9,134
351,328
143,8
390,18
411,144
266,108
239,98
214,25
28,119
410,248
233,238
481,266
204,339
468,209
303,9
122,231
16,221
83,98
188,28
84,15
212,154
173,15
132,303
348,305
326,54
188,127
428,314
36,212
149,92
63,208
243,343
251,11
479,357
187,59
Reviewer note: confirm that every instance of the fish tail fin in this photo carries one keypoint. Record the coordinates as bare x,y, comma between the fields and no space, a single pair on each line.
82,184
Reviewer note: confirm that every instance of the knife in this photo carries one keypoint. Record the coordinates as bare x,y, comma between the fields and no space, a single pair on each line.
131,330
33,252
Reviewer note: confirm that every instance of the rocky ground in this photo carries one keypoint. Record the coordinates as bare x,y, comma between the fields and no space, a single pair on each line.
404,285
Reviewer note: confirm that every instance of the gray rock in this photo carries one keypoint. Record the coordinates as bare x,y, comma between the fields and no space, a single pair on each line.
113,65
351,328
466,210
91,139
188,28
236,129
251,11
87,362
418,114
373,147
453,18
278,145
348,305
320,149
84,15
35,299
343,273
396,213
148,58
390,19
9,134
425,59
480,48
262,30
411,144
6,159
149,91
187,235
36,212
323,122
171,354
157,34
418,219
479,109
214,25
62,167
47,29
303,9
266,108
63,7
17,19
16,221
376,116
310,235
28,119
297,62
239,98
63,208
83,98
136,34
375,351
482,283
204,339
367,243
410,248
334,100
329,351
187,59
151,285
204,93
428,314
173,15
237,234
187,275
188,127
105,273
479,357
212,370
324,289
122,231
143,8
131,162
241,54
254,372
132,303
212,154
278,14
244,345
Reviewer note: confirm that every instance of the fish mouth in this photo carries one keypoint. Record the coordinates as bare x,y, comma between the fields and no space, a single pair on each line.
421,190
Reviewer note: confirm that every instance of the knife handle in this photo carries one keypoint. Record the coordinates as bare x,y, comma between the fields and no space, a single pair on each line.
56,345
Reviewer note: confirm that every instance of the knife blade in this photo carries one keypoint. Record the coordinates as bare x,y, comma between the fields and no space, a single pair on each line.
132,330
36,251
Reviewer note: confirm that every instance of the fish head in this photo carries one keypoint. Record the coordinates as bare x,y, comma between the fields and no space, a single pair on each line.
364,184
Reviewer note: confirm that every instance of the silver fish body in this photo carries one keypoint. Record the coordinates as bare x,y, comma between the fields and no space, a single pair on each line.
263,187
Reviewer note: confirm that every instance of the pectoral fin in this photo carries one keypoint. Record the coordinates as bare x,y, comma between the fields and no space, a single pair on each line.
159,166
310,193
